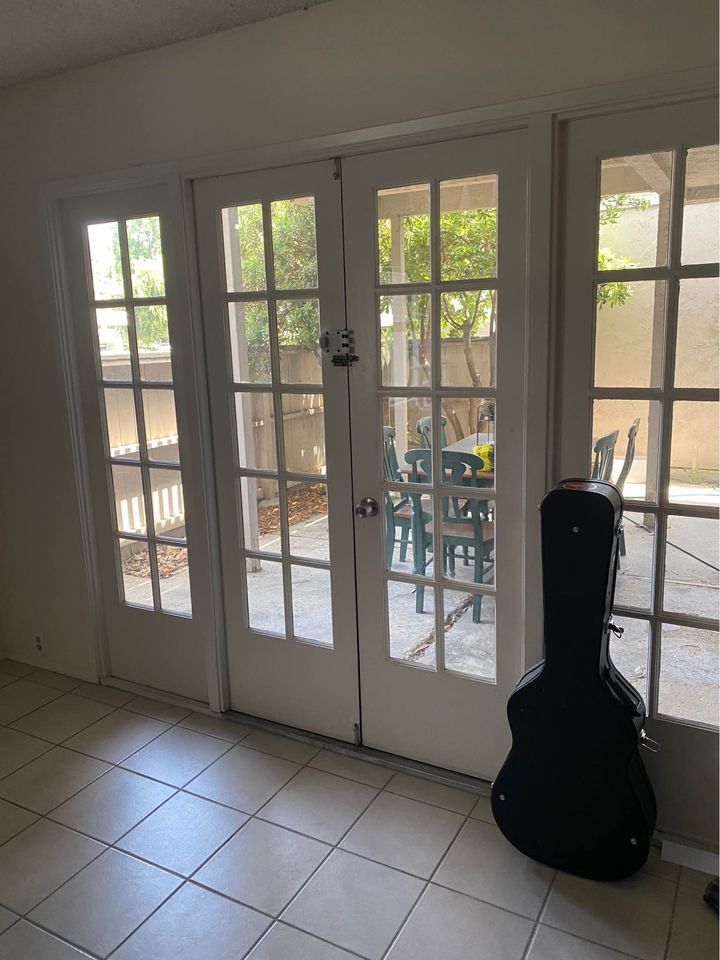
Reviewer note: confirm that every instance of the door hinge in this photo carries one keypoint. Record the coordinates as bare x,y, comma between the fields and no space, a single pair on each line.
337,168
356,734
339,344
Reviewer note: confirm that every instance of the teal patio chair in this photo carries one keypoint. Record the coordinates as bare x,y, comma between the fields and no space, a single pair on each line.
604,456
398,515
627,464
424,431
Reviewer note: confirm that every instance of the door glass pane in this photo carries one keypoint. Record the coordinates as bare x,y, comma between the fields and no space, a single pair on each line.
403,235
293,241
244,248
151,329
468,332
312,613
688,686
168,503
129,499
701,220
469,430
262,524
411,620
255,424
633,587
632,464
634,211
146,261
470,633
304,429
629,333
630,652
121,424
114,343
698,346
692,555
298,327
405,340
250,342
468,228
265,593
105,263
135,569
174,578
406,426
694,453
308,518
161,431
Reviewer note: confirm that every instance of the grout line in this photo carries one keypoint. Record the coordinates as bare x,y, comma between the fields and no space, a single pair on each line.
672,916
536,922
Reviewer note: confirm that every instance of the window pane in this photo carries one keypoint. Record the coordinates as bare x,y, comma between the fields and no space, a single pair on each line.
312,607
468,331
265,593
151,329
698,345
129,499
629,652
255,423
398,508
468,228
294,246
304,429
701,223
629,327
411,619
631,463
114,343
261,514
406,426
308,517
633,587
244,248
161,430
298,327
250,342
135,568
405,340
470,633
105,263
146,261
404,234
168,503
694,453
688,686
174,578
469,430
634,211
691,566
121,424
469,527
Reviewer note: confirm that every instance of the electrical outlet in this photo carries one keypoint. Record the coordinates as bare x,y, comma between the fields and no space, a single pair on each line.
38,644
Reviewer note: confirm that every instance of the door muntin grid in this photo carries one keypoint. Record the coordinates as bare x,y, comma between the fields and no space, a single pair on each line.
132,351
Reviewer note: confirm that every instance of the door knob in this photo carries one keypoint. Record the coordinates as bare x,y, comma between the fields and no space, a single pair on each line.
366,508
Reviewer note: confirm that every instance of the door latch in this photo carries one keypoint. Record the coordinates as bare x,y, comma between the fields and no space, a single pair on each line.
340,344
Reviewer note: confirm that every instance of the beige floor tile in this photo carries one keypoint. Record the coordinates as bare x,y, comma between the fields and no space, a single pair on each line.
27,942
263,866
225,728
48,781
449,925
105,902
630,915
17,749
693,879
282,747
7,919
244,779
112,805
182,833
319,804
482,810
195,924
113,696
482,864
552,944
177,756
167,712
61,719
370,773
6,678
22,697
694,932
284,943
403,833
15,669
57,680
117,736
436,793
659,867
13,819
38,860
355,904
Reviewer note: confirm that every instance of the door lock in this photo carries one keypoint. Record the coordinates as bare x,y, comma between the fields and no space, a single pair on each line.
366,508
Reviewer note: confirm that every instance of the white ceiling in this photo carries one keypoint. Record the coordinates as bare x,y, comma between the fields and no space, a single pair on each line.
41,37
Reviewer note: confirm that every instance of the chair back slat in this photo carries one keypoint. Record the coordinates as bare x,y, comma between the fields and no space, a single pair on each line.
604,456
629,454
391,467
424,431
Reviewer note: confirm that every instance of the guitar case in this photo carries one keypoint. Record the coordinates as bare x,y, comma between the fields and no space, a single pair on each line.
573,792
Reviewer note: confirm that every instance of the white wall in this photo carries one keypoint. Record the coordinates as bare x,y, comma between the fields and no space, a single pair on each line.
340,66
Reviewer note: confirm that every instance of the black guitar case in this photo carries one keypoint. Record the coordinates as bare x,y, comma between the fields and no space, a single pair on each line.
573,792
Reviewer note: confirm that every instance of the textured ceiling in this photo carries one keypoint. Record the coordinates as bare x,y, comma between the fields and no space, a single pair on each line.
41,37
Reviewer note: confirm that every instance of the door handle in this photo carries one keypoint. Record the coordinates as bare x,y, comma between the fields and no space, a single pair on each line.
366,508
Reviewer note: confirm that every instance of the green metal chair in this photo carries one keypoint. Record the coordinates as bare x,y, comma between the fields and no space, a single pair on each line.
424,431
627,464
604,456
466,526
398,515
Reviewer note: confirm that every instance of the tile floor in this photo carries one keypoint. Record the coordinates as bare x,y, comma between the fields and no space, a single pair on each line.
140,831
